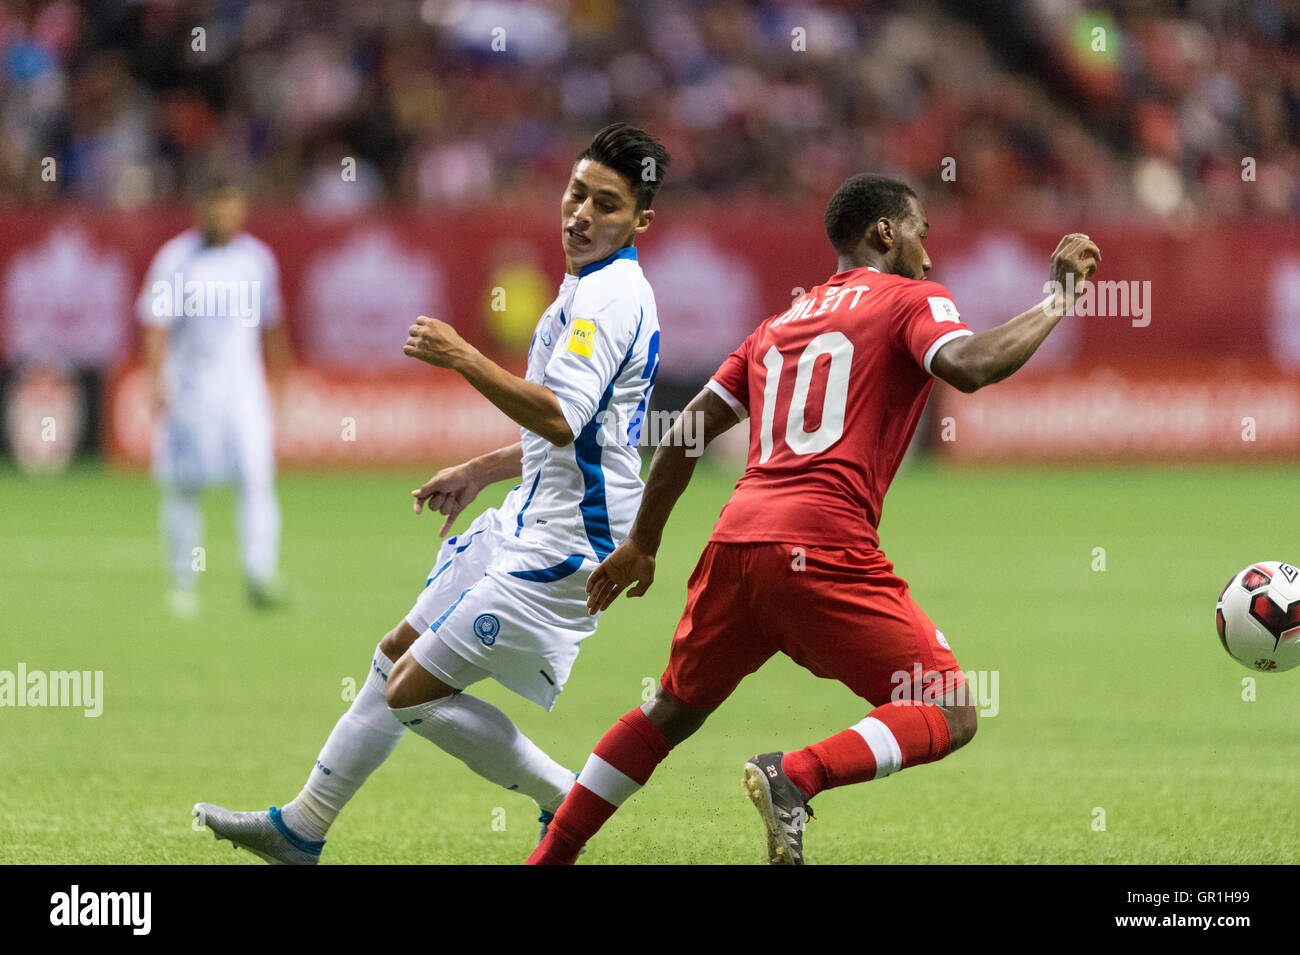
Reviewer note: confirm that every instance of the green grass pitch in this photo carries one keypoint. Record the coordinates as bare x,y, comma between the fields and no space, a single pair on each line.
1114,695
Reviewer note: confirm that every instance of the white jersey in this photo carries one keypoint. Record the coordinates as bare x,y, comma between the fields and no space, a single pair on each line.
214,300
505,595
597,349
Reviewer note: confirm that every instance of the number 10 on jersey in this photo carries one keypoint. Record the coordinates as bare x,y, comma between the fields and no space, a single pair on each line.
831,428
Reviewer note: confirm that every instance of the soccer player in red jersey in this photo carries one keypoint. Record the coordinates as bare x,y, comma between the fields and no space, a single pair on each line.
835,386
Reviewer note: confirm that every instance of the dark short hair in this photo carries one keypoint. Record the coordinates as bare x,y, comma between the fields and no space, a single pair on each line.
625,149
858,203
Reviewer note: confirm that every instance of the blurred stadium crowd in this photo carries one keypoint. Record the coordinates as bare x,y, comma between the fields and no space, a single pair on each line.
1048,107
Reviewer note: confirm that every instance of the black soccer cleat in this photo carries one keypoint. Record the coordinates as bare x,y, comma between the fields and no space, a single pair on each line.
781,804
266,594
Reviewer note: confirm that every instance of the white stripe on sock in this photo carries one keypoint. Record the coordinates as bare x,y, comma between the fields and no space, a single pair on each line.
605,781
889,758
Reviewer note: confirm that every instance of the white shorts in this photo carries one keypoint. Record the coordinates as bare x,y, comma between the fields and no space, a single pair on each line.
197,444
500,617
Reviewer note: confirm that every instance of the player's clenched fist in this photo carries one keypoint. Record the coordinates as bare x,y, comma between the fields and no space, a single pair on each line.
628,564
1075,260
434,342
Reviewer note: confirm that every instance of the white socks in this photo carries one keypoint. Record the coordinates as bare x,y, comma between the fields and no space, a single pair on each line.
182,524
363,738
471,729
259,531
484,739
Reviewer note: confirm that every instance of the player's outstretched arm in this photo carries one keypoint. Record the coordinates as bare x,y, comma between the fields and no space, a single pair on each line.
450,490
529,405
970,363
633,561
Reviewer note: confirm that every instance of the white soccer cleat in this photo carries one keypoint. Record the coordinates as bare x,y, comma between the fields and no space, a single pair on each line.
262,833
183,603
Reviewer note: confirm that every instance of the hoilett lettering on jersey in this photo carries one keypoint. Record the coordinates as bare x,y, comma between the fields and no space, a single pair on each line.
827,300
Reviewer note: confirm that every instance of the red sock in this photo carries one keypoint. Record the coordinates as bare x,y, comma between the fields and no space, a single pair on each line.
620,765
892,737
805,771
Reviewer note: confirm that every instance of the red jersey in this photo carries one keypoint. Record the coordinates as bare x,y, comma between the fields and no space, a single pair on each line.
835,386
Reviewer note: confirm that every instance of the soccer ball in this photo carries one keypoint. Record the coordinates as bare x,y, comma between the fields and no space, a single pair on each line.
1258,617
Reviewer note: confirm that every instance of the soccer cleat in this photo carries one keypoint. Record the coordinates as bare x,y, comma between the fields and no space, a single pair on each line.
261,833
267,594
782,805
183,602
545,819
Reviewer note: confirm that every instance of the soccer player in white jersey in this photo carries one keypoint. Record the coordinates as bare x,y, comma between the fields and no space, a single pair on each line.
211,308
506,597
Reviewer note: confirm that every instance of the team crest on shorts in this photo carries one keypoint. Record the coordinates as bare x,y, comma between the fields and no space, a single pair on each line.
486,628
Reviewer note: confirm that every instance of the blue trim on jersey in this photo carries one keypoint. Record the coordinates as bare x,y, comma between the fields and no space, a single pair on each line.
519,521
462,547
587,449
628,253
447,613
650,374
550,574
468,540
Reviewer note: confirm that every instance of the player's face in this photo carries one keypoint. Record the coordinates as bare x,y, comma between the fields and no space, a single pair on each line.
912,259
221,216
598,215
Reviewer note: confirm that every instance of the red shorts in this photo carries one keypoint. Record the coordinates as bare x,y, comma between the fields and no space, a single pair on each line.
839,612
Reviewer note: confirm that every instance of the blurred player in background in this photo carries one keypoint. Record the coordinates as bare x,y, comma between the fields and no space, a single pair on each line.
211,308
834,387
506,597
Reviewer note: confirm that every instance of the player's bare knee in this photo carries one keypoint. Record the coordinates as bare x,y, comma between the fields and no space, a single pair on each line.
962,723
398,640
672,718
404,684
410,684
